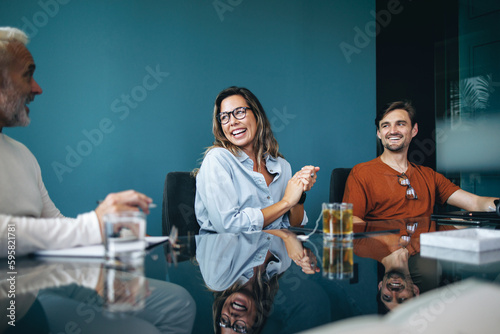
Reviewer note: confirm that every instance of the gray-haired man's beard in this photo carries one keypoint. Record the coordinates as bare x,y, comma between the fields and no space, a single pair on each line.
12,108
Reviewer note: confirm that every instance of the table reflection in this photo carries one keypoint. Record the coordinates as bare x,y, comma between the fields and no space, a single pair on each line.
243,272
123,291
194,284
406,274
72,295
338,262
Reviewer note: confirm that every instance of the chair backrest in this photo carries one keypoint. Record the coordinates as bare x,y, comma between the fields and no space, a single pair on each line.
178,204
337,184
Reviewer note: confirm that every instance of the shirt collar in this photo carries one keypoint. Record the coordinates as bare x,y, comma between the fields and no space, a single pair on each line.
242,156
271,162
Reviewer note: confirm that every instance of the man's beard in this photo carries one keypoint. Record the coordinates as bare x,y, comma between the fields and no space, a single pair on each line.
12,106
395,274
394,148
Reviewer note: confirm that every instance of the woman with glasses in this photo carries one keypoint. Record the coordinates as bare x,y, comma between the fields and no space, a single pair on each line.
244,183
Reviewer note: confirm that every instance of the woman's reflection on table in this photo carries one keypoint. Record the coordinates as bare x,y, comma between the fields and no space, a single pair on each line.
243,270
244,307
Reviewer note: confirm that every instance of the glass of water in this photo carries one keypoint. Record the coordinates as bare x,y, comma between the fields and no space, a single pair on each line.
125,236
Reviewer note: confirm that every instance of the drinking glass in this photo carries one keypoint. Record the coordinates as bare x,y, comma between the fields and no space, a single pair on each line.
124,236
337,221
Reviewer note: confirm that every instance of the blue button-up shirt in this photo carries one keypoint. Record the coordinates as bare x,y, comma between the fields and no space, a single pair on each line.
230,195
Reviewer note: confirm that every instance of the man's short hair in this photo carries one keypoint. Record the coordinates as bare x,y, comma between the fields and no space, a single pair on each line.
405,105
8,35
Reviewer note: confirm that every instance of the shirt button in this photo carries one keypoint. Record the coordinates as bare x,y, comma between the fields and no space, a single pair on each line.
268,197
271,171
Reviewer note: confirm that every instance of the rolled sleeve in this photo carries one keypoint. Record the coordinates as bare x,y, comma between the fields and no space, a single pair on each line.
255,217
34,234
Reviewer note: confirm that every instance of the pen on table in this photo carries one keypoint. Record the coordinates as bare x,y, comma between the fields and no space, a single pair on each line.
151,205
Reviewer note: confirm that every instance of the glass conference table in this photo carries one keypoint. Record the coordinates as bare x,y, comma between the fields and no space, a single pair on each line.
183,285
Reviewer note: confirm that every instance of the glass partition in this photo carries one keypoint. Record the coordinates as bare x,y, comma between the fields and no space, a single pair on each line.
468,97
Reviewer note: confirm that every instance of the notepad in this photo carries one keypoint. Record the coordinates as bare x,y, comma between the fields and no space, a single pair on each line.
93,251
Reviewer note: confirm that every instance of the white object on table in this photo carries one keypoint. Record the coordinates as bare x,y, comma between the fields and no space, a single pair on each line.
470,239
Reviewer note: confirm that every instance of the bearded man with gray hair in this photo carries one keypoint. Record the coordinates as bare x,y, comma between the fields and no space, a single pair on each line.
26,209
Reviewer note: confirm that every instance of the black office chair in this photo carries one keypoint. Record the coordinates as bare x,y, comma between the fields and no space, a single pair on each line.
178,204
337,184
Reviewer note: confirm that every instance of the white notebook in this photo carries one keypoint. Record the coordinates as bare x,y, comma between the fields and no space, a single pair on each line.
469,239
93,250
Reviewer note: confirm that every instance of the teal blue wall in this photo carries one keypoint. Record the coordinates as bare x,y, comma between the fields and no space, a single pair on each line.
92,54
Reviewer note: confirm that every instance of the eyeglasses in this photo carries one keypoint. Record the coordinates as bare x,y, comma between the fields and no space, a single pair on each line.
405,181
239,326
238,113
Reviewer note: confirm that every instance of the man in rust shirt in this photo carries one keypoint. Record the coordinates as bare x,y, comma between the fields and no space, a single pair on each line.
390,187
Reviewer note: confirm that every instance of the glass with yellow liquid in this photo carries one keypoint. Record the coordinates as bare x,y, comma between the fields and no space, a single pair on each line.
337,221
